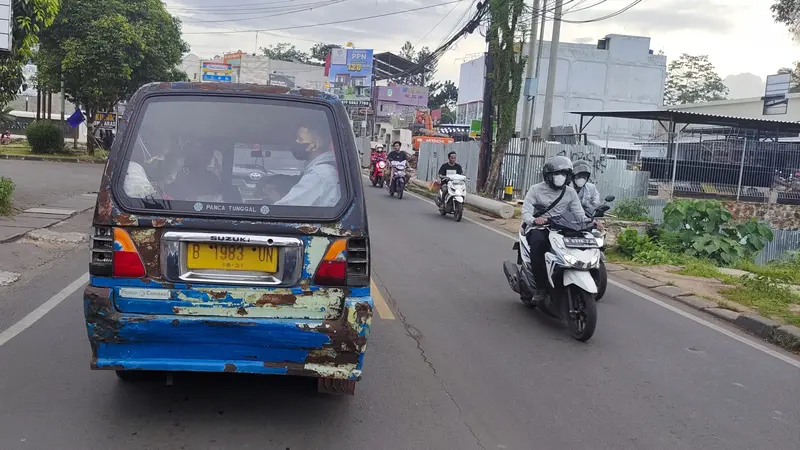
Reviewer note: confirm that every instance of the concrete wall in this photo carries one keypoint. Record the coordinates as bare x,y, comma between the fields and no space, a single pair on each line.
191,65
623,76
256,70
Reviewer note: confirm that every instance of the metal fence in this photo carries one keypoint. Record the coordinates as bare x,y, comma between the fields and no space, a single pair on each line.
433,155
524,160
784,241
741,168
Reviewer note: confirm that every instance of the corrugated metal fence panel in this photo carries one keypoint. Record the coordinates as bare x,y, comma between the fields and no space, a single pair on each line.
784,241
655,209
433,155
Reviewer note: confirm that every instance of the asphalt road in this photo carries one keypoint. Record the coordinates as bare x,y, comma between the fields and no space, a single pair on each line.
463,365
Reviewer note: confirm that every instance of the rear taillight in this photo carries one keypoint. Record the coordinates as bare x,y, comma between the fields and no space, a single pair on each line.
114,254
346,263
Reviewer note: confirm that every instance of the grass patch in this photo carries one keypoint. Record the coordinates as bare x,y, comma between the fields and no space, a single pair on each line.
765,293
700,268
786,270
766,296
21,148
6,192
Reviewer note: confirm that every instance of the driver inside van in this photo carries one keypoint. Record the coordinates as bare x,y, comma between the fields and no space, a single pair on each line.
319,183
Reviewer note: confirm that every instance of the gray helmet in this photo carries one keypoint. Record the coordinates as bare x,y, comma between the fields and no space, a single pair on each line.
582,167
554,165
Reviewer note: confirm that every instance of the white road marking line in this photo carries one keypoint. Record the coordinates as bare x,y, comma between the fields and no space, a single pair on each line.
787,359
384,312
43,309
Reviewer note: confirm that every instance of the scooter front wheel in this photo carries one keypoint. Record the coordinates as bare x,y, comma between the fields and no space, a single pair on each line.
458,211
580,312
380,183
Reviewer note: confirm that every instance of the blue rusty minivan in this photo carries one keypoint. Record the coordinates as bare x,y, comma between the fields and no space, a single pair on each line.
230,235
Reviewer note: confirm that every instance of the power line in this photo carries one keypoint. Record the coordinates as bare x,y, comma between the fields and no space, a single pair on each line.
250,11
601,18
258,5
437,24
269,16
329,23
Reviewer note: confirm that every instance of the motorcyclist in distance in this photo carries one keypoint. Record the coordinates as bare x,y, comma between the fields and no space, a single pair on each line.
554,197
587,192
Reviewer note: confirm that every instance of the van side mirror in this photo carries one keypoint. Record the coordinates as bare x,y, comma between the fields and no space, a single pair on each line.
610,199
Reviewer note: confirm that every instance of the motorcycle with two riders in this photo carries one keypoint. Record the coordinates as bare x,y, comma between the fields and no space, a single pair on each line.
571,263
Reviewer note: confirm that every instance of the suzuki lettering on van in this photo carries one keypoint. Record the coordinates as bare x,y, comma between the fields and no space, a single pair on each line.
230,239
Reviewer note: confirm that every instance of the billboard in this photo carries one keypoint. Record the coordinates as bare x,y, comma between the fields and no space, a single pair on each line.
350,74
233,58
277,79
404,95
775,101
105,120
5,26
217,71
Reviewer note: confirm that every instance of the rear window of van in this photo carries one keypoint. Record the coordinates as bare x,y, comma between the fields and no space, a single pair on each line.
207,155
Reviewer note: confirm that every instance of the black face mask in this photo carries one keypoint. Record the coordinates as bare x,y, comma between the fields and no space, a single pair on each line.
300,151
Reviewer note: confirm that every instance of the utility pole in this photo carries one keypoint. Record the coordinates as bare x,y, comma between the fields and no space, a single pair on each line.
547,116
485,155
531,84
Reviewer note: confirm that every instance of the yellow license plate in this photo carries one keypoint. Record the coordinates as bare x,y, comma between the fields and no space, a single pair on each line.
232,257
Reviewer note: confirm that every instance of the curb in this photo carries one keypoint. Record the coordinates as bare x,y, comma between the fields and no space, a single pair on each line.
784,336
47,159
17,236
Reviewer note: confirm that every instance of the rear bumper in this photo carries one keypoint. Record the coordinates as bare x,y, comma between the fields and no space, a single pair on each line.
315,348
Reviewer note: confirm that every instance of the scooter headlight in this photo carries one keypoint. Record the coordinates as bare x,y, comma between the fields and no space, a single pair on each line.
571,260
381,164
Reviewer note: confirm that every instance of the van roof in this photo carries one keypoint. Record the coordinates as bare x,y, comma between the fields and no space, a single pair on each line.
234,88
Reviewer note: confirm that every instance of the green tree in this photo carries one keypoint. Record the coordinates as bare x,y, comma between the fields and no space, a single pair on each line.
423,58
506,81
30,17
795,72
408,52
285,52
442,95
692,79
319,52
787,12
104,50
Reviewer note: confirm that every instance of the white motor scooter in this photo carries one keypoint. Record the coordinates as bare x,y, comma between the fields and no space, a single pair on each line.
453,202
575,252
397,179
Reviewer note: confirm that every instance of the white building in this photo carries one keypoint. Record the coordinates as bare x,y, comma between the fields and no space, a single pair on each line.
618,73
191,66
750,108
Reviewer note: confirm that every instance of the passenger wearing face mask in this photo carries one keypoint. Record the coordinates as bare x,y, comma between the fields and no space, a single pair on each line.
319,183
587,192
557,197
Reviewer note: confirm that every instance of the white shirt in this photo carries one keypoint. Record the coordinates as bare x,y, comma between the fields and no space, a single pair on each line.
319,185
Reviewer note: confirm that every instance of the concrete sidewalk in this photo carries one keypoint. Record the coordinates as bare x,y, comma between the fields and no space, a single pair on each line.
13,228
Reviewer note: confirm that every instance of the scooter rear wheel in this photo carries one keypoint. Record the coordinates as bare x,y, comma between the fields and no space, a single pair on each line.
601,280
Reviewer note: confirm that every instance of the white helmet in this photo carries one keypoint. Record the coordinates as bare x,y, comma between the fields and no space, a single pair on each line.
379,147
